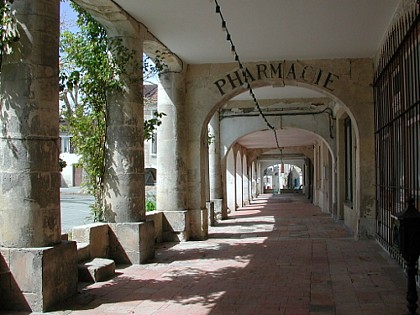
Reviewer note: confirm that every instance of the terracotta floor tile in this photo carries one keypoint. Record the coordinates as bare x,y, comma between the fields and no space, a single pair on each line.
279,255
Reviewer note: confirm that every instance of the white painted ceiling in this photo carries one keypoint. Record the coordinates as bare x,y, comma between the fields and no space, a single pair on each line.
264,30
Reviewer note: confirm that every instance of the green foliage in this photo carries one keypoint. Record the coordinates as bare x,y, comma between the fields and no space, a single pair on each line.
8,27
150,202
151,124
150,205
92,67
87,69
62,163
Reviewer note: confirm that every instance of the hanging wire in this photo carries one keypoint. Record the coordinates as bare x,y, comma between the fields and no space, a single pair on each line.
243,70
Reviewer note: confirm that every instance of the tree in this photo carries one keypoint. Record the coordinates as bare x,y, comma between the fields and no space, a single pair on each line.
88,73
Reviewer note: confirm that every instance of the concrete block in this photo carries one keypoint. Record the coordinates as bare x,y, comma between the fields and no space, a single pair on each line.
175,221
199,224
169,236
96,270
4,259
97,235
22,264
157,218
132,243
35,279
175,226
83,252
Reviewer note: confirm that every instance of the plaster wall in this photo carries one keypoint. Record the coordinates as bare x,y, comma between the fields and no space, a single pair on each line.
67,172
350,216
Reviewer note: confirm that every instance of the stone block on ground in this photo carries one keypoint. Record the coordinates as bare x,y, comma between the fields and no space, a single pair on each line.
157,218
132,243
175,226
35,279
97,235
96,270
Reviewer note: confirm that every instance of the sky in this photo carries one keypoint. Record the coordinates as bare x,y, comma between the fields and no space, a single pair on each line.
68,16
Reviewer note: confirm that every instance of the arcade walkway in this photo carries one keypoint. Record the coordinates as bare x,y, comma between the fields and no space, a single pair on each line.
280,255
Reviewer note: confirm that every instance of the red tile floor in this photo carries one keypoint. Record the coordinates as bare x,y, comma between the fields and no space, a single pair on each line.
279,255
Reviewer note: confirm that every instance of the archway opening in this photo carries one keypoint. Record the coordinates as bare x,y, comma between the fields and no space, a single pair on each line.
304,143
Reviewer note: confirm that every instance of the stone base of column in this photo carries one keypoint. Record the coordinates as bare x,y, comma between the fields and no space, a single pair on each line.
132,243
35,279
211,212
220,212
157,218
175,226
199,225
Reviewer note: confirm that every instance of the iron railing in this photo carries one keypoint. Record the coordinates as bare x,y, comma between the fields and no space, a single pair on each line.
397,124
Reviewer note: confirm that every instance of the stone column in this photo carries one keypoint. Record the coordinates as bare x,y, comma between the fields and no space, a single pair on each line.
245,182
238,180
230,190
30,226
171,193
124,175
30,179
216,190
132,240
258,179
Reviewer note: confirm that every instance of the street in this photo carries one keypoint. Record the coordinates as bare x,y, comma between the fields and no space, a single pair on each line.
74,208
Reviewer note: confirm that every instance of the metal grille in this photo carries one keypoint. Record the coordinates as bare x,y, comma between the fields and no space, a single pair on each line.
397,124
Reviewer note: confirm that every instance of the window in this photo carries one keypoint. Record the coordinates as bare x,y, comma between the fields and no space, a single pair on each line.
66,145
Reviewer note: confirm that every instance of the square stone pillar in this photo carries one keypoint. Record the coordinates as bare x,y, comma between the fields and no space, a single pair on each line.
132,243
35,279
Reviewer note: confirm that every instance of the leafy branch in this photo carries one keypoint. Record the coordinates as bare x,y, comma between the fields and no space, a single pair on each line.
92,66
9,32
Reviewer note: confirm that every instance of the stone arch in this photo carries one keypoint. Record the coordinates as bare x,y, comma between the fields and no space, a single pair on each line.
342,80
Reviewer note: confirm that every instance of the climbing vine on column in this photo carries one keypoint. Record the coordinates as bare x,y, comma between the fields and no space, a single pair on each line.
91,68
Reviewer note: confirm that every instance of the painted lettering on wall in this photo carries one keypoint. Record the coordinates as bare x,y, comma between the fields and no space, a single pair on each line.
275,71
